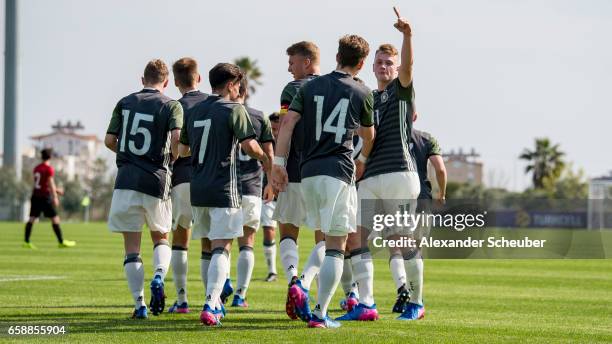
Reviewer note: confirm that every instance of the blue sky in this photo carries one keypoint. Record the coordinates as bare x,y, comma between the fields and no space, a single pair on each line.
492,75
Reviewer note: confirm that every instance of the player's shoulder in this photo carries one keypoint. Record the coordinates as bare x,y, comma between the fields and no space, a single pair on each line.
192,98
254,113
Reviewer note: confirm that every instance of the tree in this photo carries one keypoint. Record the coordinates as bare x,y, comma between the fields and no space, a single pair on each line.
251,71
100,189
545,163
14,191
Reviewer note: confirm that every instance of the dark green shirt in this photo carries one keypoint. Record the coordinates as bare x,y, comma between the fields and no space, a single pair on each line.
295,151
393,110
422,147
250,169
142,122
213,131
333,106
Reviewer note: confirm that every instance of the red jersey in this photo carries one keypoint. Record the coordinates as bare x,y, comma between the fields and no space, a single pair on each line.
42,174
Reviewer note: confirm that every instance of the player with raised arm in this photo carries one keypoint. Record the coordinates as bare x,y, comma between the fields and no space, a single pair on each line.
144,132
214,129
267,211
251,173
390,172
304,60
424,148
186,79
44,201
332,109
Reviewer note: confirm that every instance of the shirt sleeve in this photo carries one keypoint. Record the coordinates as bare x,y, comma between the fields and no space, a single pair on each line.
286,98
51,171
240,124
367,114
184,138
297,104
175,118
404,93
266,131
433,148
115,122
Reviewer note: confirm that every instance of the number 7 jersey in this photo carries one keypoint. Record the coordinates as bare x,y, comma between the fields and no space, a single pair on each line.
333,106
213,131
142,122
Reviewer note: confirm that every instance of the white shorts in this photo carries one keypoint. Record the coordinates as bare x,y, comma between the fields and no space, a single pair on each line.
251,211
267,210
181,206
387,194
130,210
216,223
331,205
290,206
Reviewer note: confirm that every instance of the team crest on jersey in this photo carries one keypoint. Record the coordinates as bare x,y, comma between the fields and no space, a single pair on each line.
384,96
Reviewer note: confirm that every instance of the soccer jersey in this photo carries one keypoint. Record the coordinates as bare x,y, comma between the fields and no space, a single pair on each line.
213,131
142,121
250,169
42,175
295,151
393,109
181,169
423,146
333,106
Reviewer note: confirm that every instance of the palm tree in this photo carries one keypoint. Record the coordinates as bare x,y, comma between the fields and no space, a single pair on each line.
545,163
252,72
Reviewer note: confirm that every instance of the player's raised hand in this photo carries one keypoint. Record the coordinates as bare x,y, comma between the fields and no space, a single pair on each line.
402,24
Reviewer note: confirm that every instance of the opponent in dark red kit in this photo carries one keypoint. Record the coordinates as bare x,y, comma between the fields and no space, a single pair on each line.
44,200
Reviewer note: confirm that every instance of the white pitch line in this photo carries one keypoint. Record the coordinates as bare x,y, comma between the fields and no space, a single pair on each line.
29,278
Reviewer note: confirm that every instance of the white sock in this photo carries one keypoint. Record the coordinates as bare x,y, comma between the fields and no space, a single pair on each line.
134,273
204,264
396,265
217,273
270,254
161,258
331,271
313,265
289,257
363,274
179,273
414,277
246,262
347,276
229,265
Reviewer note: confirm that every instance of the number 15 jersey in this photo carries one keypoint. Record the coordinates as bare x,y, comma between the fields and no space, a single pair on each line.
213,131
142,122
333,106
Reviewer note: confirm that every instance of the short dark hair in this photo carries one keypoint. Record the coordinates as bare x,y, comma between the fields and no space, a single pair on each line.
223,73
305,49
156,72
244,88
351,50
46,154
274,117
185,72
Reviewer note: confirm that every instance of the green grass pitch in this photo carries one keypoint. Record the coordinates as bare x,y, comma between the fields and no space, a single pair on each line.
481,301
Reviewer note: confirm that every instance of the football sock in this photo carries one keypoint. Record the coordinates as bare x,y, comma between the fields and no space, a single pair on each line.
229,265
289,257
414,277
331,271
134,273
246,262
204,264
217,274
58,232
179,272
313,264
270,254
28,231
161,258
398,272
363,274
347,276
